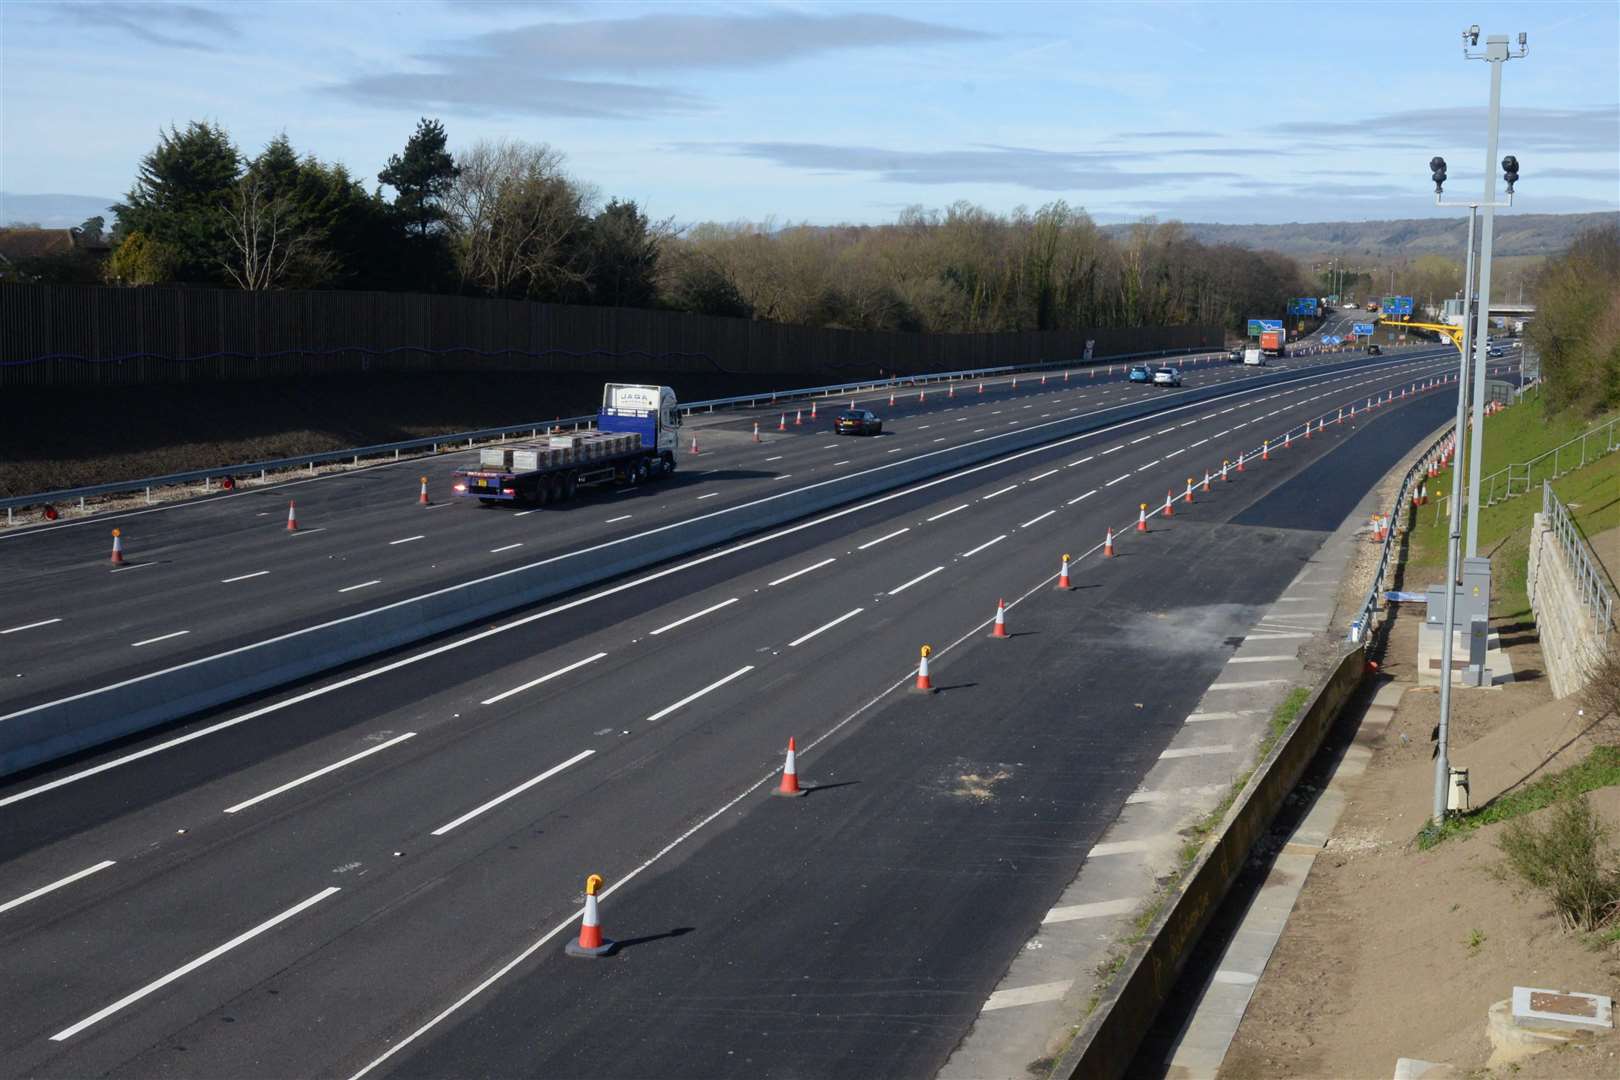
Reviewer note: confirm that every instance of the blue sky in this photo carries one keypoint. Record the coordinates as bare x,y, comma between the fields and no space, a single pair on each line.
821,112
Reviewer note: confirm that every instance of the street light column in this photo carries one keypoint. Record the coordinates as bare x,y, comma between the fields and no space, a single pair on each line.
1496,54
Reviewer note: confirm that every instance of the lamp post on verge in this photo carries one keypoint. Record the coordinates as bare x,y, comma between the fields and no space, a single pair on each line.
1476,336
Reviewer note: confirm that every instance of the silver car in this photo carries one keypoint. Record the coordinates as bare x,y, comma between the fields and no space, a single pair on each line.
1167,376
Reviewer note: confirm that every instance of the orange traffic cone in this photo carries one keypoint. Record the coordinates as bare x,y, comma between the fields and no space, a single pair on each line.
781,425
292,516
1169,504
1241,455
925,685
1189,495
1265,447
922,395
981,388
891,399
1288,439
1063,575
1141,519
1206,481
695,449
756,431
1307,429
812,410
422,500
118,548
1108,544
1225,470
591,943
950,391
789,787
798,418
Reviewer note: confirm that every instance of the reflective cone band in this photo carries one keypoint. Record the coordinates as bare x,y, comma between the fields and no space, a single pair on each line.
789,787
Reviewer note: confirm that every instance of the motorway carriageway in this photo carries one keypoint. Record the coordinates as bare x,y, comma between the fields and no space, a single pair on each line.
221,573
301,883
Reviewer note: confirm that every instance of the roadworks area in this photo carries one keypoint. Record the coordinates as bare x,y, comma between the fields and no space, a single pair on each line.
1398,948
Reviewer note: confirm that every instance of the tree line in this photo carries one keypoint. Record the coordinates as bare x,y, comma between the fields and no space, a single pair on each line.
505,219
1576,328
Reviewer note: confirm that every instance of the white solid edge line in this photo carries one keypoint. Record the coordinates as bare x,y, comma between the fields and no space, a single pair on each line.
161,637
984,545
53,886
936,517
517,623
362,585
806,570
897,590
30,626
532,683
407,539
243,577
695,615
689,698
879,540
185,969
520,789
336,765
1039,518
802,638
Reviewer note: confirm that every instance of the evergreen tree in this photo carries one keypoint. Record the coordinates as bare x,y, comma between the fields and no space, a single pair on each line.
176,200
622,256
421,177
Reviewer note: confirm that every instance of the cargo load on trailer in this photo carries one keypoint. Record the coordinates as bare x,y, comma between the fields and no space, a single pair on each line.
1271,342
634,441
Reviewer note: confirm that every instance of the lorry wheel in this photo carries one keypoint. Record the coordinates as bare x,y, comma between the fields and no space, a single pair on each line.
669,462
570,484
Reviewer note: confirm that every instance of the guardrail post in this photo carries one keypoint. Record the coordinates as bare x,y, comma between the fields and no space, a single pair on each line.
148,495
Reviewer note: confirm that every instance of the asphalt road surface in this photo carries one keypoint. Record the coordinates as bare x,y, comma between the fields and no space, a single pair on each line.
378,869
221,573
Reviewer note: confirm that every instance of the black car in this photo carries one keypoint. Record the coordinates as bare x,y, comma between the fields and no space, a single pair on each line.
1373,350
858,422
1235,356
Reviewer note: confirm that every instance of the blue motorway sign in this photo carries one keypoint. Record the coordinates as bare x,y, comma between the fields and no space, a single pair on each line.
1362,329
1302,305
1331,339
1397,305
1271,324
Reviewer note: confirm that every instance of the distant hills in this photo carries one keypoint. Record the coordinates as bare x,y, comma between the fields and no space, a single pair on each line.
1516,234
53,211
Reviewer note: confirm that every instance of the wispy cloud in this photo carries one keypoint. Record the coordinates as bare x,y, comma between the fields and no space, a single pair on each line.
538,68
1040,170
179,26
1590,129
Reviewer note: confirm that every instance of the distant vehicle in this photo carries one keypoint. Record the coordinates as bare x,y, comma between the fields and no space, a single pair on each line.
1253,356
1235,356
858,422
1167,376
634,440
1373,350
1142,373
1372,306
1496,350
1271,342
1350,305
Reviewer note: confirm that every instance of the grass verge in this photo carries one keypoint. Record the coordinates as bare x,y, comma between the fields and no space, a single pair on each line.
1599,769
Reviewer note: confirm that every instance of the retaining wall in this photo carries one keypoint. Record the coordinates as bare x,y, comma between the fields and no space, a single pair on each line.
1572,640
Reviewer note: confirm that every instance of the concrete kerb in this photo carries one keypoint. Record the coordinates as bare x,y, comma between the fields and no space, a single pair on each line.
37,735
1107,1043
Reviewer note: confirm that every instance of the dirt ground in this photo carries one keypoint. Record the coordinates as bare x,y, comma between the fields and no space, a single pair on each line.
1394,952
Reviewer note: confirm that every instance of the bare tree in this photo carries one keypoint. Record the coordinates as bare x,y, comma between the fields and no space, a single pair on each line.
271,244
517,220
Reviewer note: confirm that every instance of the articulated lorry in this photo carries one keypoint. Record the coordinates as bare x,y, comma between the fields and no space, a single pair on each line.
1271,342
634,441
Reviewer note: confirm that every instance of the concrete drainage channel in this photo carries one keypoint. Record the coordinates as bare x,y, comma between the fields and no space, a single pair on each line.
1108,1041
44,732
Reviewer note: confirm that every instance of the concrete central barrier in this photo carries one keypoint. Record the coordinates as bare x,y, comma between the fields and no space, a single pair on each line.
41,733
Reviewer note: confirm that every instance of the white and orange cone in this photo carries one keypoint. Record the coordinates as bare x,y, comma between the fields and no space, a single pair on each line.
1265,447
1169,503
1063,575
798,418
591,943
695,449
1189,495
1206,481
1141,518
999,630
950,390
756,431
1307,429
922,395
1241,455
118,548
422,500
891,399
781,425
789,787
1226,469
925,685
812,410
981,388
1108,544
292,516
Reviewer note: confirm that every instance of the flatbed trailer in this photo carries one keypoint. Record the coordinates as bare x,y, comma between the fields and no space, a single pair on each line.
634,441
